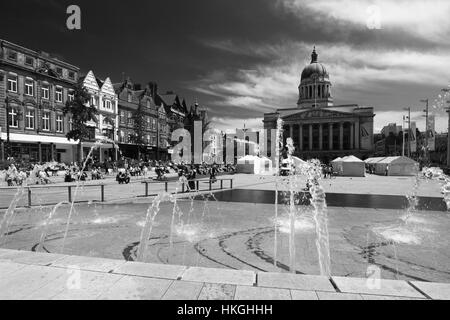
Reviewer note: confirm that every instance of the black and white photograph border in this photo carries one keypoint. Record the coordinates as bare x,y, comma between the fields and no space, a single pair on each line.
197,150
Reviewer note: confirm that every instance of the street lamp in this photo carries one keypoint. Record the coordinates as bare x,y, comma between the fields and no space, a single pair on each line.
426,128
409,130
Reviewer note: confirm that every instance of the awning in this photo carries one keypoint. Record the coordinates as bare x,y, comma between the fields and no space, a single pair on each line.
35,138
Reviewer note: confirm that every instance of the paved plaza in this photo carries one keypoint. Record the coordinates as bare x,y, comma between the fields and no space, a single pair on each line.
225,250
37,276
91,191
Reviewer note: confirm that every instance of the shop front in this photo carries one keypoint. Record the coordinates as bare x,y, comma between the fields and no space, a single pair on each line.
38,148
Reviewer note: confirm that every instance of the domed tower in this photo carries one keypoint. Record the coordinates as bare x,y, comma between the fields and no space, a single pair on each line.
315,86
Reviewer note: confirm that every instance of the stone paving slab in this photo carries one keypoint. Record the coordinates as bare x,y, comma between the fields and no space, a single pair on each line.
215,291
136,288
377,297
29,280
183,290
397,288
88,263
92,285
33,258
338,296
258,293
7,267
438,291
294,281
224,276
11,255
303,295
150,270
20,284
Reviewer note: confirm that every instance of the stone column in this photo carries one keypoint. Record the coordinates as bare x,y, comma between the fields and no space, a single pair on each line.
300,136
357,134
320,137
352,135
291,131
330,137
341,136
310,136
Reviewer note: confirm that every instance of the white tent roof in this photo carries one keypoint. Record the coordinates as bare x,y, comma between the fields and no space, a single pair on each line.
374,160
337,159
396,160
351,159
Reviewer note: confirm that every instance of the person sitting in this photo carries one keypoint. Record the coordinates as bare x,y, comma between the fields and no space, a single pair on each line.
68,176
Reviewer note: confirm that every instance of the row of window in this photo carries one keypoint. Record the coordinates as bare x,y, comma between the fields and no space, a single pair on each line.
152,123
45,89
30,120
30,61
107,104
315,91
149,139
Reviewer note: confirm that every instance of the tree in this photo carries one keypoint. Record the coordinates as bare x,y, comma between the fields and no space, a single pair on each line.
81,112
140,126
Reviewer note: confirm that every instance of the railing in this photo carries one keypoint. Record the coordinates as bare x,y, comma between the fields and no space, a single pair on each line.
183,187
32,190
45,195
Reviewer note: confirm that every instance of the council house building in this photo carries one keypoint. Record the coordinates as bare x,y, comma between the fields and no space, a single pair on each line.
319,128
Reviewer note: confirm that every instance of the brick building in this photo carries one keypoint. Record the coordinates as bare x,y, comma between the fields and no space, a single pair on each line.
34,88
132,100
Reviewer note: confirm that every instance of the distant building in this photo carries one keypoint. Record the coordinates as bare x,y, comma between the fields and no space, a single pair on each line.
132,100
34,88
391,128
319,128
176,113
105,100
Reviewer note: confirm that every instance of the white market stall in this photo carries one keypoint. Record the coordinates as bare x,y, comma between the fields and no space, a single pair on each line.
371,163
397,166
337,165
254,165
353,167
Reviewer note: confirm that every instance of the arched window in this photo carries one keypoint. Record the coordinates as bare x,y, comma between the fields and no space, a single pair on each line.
319,89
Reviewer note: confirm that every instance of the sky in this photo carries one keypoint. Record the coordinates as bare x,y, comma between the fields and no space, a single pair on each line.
240,59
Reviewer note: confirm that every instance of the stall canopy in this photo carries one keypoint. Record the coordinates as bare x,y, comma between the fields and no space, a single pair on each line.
254,165
353,167
396,166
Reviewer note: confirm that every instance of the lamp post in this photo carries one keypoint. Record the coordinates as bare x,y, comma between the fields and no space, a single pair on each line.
426,128
409,129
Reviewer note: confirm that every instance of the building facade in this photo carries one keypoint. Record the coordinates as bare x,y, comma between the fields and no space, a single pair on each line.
319,128
34,88
133,102
105,100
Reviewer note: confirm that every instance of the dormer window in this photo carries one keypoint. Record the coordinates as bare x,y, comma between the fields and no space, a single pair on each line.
12,55
59,71
129,97
29,61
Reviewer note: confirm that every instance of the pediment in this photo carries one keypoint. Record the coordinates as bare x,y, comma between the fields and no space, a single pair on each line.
316,114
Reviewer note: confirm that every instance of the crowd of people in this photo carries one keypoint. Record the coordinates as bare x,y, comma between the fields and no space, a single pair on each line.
15,173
